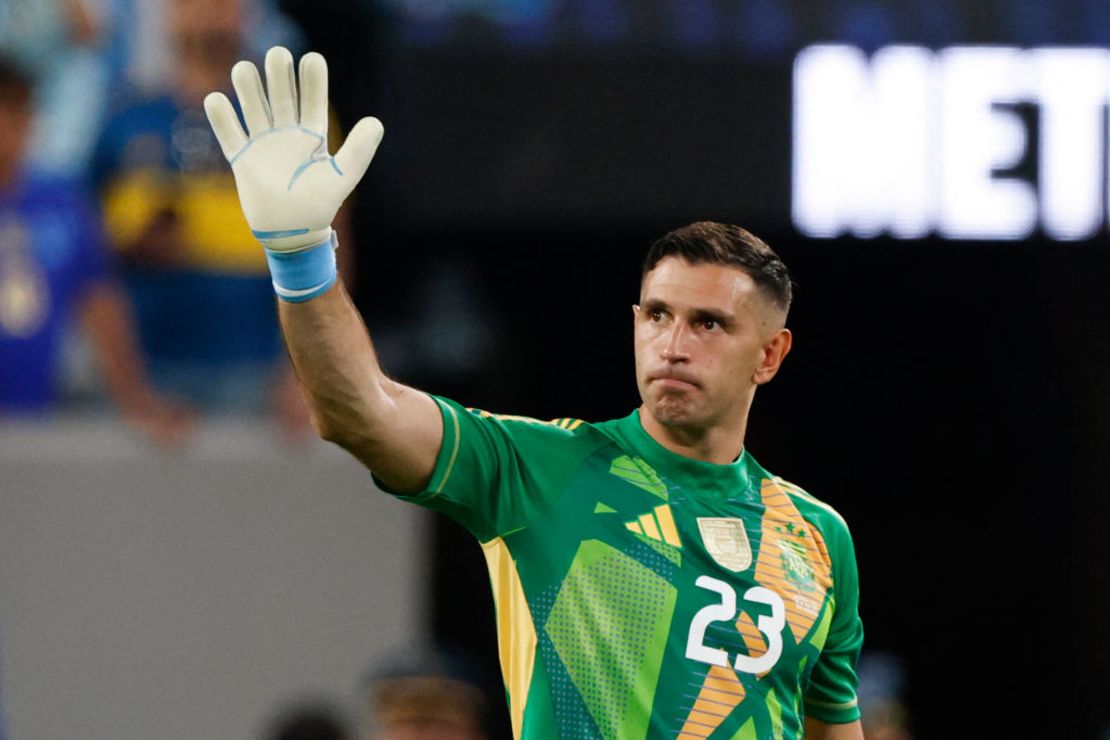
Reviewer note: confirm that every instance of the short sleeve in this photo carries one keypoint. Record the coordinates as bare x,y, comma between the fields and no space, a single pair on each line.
495,473
831,696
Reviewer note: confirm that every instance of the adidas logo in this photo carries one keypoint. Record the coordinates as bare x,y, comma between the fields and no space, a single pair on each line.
657,524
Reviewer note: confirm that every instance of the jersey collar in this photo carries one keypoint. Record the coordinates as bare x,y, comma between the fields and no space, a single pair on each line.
697,477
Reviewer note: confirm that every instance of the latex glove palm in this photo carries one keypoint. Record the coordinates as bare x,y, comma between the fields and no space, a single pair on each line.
290,187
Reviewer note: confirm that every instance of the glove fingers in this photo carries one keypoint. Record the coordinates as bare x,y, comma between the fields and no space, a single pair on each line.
281,86
252,99
354,156
314,93
225,124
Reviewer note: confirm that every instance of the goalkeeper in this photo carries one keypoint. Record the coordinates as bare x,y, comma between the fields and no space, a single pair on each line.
651,579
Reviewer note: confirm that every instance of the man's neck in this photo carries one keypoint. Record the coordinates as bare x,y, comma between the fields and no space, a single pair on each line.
720,444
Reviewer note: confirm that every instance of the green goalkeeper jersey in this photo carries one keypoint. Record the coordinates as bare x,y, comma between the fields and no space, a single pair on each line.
643,594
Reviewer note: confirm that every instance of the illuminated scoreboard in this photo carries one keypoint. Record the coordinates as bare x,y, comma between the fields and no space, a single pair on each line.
969,142
956,120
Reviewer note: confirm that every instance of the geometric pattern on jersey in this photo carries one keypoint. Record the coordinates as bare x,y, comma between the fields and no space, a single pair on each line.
668,551
657,529
571,715
639,473
662,559
642,594
658,524
610,620
747,732
721,692
801,568
793,561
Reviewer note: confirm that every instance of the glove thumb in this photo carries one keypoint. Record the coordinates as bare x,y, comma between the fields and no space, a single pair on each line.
354,156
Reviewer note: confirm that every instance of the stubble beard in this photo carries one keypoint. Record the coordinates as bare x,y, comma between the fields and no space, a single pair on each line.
676,410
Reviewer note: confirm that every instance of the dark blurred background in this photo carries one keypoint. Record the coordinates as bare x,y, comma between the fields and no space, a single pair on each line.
950,397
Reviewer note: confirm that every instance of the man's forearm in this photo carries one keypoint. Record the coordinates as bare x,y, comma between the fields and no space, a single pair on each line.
335,364
291,189
393,429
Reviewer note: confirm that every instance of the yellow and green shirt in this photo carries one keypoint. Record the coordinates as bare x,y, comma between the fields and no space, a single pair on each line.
643,594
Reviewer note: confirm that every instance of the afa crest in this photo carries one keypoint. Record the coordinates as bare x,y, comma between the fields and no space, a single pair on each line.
727,541
794,565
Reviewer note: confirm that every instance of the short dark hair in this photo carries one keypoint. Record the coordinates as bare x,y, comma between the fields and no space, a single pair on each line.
724,244
16,84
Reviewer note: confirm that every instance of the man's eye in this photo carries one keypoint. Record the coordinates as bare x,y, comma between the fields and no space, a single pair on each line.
656,315
709,324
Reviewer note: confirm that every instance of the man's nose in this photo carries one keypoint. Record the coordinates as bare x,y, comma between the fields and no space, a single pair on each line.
674,347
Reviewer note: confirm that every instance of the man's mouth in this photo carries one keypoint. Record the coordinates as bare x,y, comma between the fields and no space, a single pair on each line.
675,381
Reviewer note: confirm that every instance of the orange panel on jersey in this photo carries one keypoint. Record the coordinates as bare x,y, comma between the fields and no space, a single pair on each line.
710,707
720,690
753,638
788,538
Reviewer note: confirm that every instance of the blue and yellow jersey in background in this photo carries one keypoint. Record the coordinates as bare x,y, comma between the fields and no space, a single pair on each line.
643,594
51,255
157,155
205,308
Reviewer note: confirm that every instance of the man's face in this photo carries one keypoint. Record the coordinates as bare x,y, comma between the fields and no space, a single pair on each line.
705,336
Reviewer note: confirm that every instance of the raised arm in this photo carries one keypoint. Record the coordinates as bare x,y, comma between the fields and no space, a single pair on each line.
290,188
394,430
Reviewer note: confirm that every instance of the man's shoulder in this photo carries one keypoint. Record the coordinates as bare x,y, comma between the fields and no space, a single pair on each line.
819,513
566,430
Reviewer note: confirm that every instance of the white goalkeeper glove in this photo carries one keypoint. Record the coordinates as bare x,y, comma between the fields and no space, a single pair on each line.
290,187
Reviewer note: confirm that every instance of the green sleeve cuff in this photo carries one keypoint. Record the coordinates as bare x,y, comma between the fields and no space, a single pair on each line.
833,714
445,459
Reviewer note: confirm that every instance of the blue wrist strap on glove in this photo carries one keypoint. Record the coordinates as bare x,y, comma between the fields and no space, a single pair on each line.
302,275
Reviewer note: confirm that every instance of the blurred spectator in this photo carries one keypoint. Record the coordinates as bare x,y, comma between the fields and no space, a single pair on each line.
141,45
425,696
53,265
881,686
310,721
55,42
198,277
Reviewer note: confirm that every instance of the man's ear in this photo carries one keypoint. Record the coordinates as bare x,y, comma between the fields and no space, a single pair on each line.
774,351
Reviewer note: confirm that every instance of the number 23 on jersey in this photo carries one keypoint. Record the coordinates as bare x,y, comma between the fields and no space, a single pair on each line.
771,625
